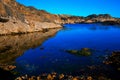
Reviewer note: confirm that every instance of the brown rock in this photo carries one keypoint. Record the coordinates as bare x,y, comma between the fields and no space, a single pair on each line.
49,77
38,78
89,78
75,78
19,78
61,76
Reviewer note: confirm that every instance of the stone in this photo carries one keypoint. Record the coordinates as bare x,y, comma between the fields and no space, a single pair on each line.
82,52
11,67
49,77
38,78
75,78
61,76
89,78
19,78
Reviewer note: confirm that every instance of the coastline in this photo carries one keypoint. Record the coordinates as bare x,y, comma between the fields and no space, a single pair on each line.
18,27
16,18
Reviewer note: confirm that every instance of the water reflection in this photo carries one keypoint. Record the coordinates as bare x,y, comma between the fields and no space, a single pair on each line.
55,58
93,27
13,46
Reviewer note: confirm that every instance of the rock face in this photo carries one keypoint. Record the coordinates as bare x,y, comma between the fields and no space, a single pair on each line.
16,18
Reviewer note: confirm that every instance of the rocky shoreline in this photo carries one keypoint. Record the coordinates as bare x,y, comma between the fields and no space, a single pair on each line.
18,27
54,76
16,18
112,60
14,46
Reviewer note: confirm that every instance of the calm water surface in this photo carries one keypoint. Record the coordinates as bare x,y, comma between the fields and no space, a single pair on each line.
52,57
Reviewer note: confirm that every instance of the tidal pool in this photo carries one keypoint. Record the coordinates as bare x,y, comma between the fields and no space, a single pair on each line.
51,55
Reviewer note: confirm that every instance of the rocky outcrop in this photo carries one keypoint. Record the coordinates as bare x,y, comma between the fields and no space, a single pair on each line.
55,76
16,18
101,18
70,19
16,26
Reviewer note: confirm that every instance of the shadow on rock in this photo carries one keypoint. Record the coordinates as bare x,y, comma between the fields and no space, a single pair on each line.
6,75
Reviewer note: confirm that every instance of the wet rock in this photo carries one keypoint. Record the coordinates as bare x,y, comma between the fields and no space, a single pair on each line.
70,77
54,73
82,52
89,78
19,78
11,67
72,51
7,67
33,78
61,76
49,77
103,78
114,60
38,78
92,67
82,77
75,78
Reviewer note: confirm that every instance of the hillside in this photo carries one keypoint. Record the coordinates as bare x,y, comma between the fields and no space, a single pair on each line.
16,18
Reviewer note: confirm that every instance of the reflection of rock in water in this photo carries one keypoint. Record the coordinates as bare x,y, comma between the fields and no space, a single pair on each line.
13,46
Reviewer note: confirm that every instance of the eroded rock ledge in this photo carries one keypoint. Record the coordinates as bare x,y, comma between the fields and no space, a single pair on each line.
18,27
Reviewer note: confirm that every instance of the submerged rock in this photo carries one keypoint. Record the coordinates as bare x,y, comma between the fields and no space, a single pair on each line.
114,60
49,77
89,78
7,67
61,76
82,52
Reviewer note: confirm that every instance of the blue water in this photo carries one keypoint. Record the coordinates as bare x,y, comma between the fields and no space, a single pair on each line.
103,39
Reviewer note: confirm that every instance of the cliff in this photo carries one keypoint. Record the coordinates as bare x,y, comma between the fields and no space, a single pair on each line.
17,18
